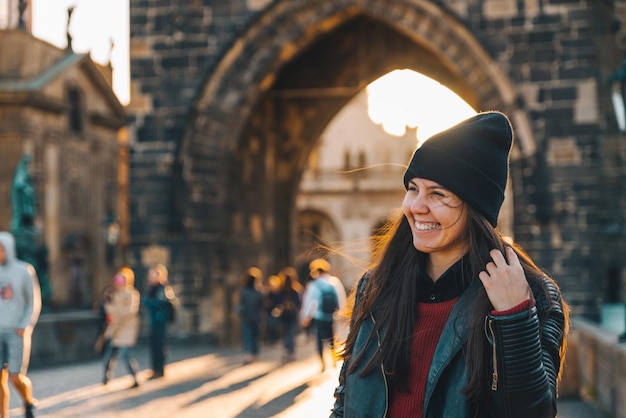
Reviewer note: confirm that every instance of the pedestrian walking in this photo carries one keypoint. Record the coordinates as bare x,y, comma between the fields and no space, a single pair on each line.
98,308
249,308
162,304
323,297
122,317
289,308
272,298
20,305
453,320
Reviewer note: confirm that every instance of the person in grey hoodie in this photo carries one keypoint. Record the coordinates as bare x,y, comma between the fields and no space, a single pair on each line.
20,305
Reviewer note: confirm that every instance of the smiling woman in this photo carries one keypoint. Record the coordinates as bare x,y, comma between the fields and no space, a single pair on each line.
452,320
405,98
100,27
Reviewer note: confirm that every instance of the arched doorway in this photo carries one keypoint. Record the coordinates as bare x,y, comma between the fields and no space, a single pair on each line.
257,116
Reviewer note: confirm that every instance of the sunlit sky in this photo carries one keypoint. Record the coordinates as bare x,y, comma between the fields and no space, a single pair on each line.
405,98
401,98
94,23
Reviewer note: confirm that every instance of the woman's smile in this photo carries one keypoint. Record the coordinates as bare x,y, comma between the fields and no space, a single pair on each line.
426,226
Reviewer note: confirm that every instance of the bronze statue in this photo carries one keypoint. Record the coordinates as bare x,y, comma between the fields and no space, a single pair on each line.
28,242
23,199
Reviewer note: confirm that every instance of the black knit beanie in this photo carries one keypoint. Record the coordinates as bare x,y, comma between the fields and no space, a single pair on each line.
471,159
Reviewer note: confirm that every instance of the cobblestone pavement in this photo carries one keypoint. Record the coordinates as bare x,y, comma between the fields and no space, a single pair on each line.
204,382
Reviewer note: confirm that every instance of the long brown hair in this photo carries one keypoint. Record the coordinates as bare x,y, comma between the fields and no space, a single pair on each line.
392,291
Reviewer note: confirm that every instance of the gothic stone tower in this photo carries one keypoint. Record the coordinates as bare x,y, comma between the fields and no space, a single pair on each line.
229,97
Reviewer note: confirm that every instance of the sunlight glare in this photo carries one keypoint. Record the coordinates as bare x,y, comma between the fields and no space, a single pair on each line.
405,98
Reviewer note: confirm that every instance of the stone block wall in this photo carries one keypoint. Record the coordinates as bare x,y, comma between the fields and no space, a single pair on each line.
599,364
64,338
173,48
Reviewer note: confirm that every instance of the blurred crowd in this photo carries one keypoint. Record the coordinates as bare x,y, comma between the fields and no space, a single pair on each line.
274,309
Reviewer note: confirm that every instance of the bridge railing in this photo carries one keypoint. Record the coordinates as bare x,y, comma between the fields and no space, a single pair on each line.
595,367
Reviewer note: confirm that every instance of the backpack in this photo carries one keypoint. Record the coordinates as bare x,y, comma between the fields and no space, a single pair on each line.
329,302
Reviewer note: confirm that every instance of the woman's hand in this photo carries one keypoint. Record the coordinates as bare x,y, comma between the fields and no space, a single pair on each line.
504,280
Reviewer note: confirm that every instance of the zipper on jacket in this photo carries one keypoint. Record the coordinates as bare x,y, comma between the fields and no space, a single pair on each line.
494,375
382,369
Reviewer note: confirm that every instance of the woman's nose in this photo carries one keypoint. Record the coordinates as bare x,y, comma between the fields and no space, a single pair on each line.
418,204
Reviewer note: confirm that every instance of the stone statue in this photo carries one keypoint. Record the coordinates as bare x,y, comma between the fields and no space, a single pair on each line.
23,196
111,47
21,7
28,238
70,10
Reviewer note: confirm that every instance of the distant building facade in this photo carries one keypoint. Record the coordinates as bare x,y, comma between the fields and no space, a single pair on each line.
58,107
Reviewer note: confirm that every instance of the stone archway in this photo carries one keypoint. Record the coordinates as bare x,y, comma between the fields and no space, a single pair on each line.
264,105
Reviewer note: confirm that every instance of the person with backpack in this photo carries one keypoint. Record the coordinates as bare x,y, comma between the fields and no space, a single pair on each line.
323,298
161,303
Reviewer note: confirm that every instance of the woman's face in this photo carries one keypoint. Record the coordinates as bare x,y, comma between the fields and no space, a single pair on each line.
437,217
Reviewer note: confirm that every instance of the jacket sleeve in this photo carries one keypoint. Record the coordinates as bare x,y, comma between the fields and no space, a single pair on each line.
526,358
338,407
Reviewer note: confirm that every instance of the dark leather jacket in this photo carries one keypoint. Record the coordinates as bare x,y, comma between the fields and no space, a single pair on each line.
527,360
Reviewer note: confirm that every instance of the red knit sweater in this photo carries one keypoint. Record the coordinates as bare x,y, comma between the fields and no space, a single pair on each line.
432,318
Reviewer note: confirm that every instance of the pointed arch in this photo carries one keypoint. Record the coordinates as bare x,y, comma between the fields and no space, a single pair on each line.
252,64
